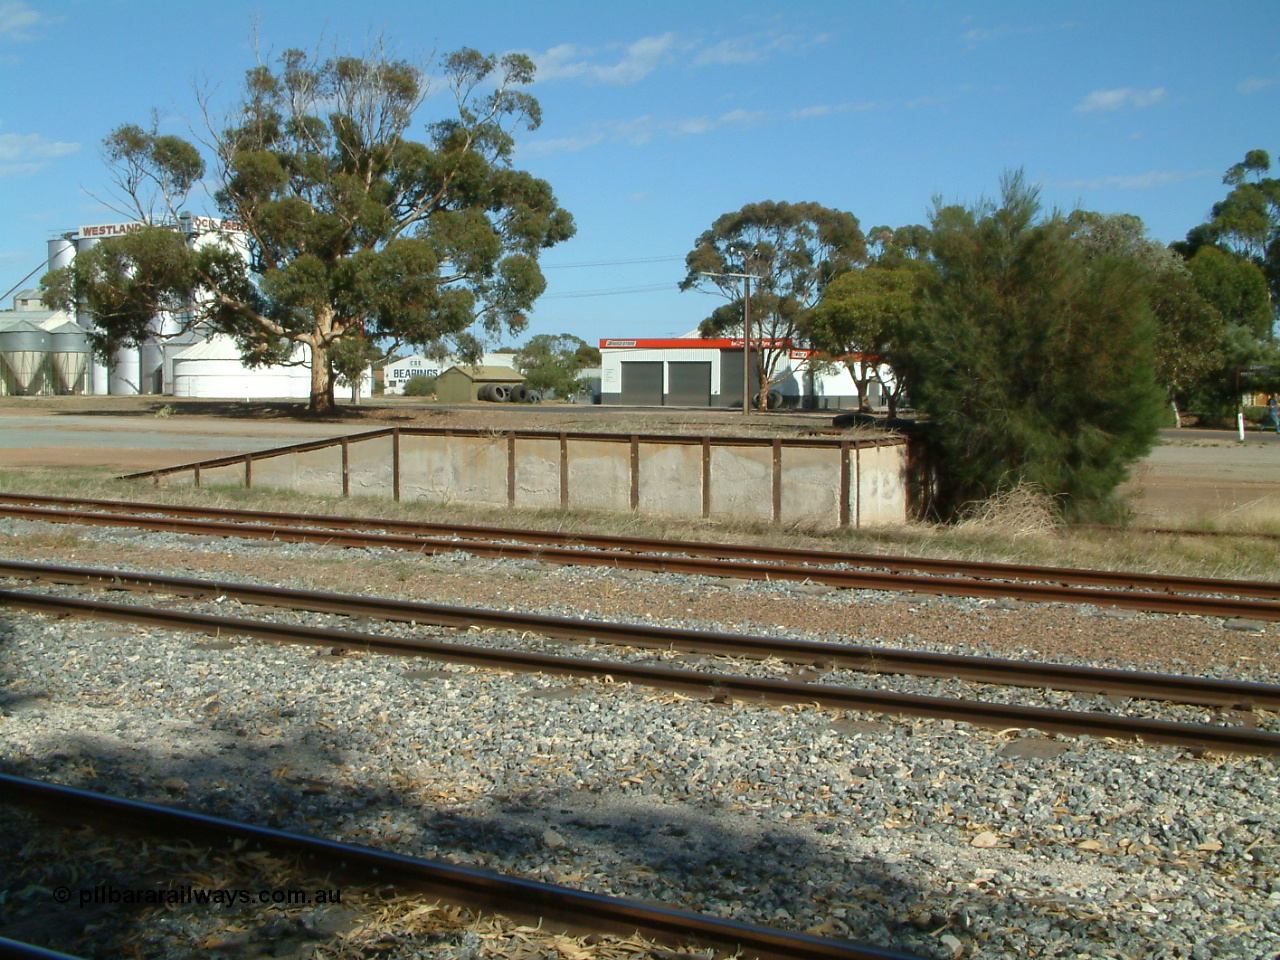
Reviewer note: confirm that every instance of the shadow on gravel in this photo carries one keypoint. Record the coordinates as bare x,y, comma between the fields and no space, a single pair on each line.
706,861
242,756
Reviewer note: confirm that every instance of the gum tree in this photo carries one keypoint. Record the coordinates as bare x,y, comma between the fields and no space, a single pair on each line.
351,229
865,315
793,250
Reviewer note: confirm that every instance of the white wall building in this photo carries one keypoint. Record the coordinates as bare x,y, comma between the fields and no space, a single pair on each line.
395,375
694,372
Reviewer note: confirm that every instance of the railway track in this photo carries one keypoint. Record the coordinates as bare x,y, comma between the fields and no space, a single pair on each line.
1231,694
472,888
1151,592
690,682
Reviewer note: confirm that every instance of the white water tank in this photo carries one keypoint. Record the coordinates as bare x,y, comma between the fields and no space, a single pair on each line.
214,369
125,378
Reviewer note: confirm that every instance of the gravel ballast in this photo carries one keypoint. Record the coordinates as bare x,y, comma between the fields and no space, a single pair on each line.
924,836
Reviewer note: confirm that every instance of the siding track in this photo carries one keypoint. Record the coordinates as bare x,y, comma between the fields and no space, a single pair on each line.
716,686
1152,592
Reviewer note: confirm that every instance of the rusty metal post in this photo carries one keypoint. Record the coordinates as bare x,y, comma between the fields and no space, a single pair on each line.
564,470
706,476
777,480
346,467
395,464
844,483
635,472
511,468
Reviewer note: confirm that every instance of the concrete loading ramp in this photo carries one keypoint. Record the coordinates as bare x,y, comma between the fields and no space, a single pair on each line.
818,482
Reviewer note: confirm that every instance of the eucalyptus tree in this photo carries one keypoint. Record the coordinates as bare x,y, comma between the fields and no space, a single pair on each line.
791,251
864,317
337,223
1191,332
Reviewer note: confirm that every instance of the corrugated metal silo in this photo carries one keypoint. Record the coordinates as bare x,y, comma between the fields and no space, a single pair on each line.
25,349
69,350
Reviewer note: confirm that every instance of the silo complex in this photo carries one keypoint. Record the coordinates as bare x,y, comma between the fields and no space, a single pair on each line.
46,351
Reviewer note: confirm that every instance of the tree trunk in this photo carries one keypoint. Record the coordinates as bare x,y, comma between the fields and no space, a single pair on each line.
1177,417
322,403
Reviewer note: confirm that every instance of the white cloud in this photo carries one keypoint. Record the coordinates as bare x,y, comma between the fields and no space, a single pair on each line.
1254,84
18,21
827,109
625,65
991,34
753,49
542,148
1141,181
643,130
1119,99
637,132
694,126
22,155
639,59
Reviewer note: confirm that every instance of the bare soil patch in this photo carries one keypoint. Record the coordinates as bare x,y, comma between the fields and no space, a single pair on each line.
1192,477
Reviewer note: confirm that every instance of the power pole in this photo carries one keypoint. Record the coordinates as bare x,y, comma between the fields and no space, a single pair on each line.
746,279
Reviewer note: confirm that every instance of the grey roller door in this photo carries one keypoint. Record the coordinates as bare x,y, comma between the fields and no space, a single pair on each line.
689,383
642,383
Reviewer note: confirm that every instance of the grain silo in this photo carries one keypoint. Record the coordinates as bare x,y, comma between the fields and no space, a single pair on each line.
25,350
70,351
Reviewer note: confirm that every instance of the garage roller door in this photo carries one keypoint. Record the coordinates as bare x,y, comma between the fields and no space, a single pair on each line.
642,383
690,384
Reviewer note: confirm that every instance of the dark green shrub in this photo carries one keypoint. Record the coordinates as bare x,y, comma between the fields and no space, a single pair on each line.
1034,360
420,385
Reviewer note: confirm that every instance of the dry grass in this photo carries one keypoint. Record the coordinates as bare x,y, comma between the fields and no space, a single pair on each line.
1013,529
1024,511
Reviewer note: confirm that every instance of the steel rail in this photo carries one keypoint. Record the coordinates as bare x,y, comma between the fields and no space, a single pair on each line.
852,579
1181,689
690,682
470,887
1164,583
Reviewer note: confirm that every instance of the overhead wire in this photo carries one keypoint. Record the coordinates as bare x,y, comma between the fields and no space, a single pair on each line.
609,263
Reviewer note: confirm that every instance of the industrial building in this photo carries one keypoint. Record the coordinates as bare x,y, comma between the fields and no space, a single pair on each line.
462,384
398,372
48,351
694,372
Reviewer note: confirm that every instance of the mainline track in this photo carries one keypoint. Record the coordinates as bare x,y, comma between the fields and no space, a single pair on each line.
472,888
693,683
1157,593
1123,683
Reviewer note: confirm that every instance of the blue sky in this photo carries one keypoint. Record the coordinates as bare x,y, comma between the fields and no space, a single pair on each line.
659,117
